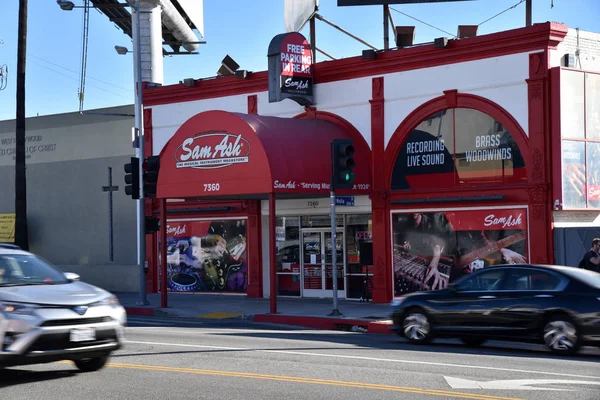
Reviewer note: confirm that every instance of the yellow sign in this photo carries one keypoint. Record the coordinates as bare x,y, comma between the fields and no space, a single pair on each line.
7,228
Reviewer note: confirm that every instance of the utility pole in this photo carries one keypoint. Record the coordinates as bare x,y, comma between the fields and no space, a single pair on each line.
139,127
21,233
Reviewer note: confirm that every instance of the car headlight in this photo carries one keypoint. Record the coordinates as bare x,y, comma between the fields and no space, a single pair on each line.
17,308
109,301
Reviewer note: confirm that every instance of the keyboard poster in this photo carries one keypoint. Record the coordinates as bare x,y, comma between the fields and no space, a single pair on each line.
434,248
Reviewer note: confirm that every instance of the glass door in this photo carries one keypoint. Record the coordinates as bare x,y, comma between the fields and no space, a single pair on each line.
312,263
317,263
339,262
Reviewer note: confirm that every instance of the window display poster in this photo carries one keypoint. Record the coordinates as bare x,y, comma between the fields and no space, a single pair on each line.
573,177
593,174
458,147
432,249
206,256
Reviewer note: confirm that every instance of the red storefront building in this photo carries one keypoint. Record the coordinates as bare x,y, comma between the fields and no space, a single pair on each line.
454,153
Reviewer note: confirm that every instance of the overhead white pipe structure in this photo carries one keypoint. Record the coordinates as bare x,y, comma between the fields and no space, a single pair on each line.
175,22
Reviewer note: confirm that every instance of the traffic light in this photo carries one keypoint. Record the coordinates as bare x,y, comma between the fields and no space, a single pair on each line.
342,157
151,167
152,225
132,178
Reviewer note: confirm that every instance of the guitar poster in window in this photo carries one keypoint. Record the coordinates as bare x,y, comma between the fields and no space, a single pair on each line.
432,249
206,256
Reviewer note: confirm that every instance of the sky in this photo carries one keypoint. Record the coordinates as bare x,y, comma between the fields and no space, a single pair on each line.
239,28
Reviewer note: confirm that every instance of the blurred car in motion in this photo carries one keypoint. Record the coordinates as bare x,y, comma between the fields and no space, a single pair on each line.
555,305
48,316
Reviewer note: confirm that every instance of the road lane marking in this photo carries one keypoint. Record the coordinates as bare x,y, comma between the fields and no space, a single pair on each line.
358,385
199,346
513,384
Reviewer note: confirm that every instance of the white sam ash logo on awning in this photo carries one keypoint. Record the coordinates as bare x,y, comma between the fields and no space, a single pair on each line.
212,150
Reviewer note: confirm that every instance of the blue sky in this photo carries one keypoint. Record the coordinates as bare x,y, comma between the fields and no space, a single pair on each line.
240,28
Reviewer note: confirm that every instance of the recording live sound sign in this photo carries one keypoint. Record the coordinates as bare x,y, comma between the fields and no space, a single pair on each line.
291,69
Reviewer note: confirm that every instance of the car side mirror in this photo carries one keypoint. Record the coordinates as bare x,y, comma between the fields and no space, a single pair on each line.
71,277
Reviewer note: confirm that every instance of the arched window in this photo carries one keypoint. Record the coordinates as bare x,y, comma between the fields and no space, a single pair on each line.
458,147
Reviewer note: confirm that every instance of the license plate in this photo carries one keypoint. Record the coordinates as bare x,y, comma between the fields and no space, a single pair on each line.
83,335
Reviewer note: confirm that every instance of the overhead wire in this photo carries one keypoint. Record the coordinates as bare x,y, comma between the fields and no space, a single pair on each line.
76,79
71,70
423,22
85,34
502,12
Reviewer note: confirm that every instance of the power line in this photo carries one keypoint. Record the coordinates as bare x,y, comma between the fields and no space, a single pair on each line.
85,36
75,72
76,79
423,22
502,12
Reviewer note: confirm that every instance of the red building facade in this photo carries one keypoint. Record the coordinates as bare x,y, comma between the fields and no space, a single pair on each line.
454,172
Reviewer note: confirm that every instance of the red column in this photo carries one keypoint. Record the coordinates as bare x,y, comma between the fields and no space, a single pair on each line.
539,170
272,255
254,252
163,253
382,284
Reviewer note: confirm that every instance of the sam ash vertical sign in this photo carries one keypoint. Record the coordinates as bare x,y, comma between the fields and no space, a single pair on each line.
291,69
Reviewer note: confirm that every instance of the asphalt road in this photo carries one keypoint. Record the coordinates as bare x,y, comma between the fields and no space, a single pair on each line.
165,359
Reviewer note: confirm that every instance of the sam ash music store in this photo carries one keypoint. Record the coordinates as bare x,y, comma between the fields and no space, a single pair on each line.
453,168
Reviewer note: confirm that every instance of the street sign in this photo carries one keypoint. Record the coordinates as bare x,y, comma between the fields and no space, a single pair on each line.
347,201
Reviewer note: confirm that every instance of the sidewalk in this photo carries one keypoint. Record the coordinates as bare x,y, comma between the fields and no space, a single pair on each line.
310,313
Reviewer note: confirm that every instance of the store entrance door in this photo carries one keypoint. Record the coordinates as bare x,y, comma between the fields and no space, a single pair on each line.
317,263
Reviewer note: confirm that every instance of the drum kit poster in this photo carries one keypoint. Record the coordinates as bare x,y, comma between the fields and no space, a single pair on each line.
206,256
432,249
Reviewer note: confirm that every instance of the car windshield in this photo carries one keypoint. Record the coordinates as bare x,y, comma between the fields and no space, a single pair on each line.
590,277
24,269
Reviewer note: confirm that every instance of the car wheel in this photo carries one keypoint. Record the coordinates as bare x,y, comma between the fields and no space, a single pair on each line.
91,364
561,335
473,341
417,327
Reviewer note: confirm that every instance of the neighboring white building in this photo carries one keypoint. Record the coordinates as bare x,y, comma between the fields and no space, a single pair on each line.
68,159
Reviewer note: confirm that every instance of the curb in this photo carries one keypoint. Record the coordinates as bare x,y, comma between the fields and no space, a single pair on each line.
332,324
145,311
322,323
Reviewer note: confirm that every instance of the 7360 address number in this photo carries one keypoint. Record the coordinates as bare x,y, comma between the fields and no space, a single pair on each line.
212,187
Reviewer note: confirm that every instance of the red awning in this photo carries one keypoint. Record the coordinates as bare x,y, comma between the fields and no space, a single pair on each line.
223,154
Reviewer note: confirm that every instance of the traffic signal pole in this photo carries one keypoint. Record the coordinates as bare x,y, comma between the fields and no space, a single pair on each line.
333,249
342,177
335,310
139,126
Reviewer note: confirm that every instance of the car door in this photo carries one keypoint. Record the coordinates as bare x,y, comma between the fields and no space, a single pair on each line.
526,293
467,308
